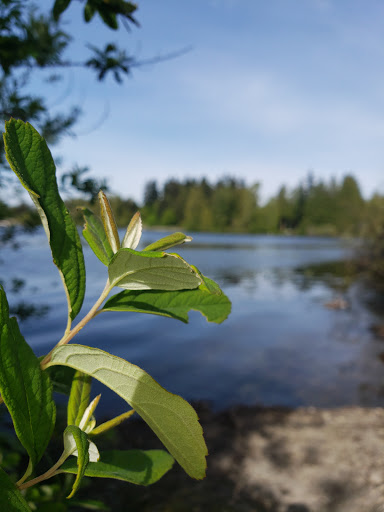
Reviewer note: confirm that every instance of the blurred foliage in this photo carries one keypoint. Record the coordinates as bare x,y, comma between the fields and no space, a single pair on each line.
314,207
34,45
372,252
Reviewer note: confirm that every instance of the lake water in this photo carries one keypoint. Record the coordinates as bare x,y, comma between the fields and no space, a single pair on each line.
280,345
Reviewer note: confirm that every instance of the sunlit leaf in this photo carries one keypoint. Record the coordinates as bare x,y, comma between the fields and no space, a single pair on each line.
11,500
168,241
214,305
24,387
109,222
172,419
88,421
134,270
95,235
31,160
133,234
135,466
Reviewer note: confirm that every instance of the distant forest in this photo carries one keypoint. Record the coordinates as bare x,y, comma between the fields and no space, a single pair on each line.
314,207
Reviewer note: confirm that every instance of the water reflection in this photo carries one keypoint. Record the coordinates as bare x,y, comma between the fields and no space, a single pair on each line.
11,240
280,346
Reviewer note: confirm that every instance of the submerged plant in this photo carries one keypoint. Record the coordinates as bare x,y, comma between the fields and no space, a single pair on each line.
153,281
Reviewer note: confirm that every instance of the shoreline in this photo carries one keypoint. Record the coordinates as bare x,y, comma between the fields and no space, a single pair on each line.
270,459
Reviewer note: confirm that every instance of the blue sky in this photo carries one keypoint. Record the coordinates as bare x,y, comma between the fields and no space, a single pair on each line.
269,90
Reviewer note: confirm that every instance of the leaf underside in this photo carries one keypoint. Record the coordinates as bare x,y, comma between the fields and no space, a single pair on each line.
31,160
135,270
172,419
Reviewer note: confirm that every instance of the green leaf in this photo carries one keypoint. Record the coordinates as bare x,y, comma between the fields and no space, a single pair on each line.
207,284
176,304
25,388
135,466
73,434
114,422
168,242
95,235
79,397
11,500
59,7
134,270
31,160
172,419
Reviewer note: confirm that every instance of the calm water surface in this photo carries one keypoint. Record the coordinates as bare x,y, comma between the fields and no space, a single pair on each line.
280,345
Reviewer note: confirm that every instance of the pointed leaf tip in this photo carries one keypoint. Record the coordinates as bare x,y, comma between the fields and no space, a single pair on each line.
133,234
109,222
169,241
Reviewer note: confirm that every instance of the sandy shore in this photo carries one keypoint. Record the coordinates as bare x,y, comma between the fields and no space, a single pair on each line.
271,460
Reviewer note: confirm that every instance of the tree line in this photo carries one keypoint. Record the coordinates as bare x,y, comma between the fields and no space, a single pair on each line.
314,207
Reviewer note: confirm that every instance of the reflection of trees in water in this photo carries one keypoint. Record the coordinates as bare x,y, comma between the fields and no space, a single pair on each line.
357,328
15,286
337,275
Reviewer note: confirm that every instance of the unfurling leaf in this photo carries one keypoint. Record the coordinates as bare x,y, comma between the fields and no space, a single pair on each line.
25,388
114,422
172,419
135,466
95,235
109,222
88,422
79,398
76,441
133,234
211,302
134,270
30,159
168,241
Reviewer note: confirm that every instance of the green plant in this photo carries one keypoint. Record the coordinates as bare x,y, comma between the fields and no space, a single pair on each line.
154,282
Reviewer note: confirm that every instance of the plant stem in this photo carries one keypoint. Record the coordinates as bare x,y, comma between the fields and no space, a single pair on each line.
48,474
69,335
